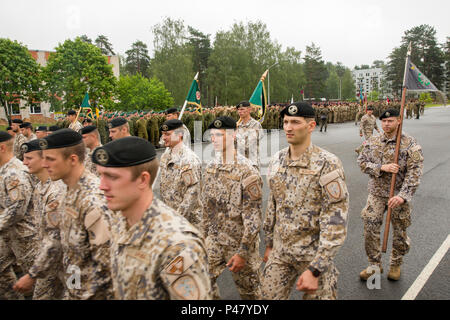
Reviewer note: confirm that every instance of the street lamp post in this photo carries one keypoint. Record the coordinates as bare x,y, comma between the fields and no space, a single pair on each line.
268,82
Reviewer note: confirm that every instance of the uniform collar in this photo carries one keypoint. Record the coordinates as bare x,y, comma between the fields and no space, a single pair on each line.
134,235
302,162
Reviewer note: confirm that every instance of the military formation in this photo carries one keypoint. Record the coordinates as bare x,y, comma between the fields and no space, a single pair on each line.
79,219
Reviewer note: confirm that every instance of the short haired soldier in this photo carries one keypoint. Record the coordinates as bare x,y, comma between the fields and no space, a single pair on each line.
91,138
47,198
172,114
181,171
248,133
119,128
306,218
17,229
377,160
19,138
41,132
155,252
75,125
232,200
366,127
85,237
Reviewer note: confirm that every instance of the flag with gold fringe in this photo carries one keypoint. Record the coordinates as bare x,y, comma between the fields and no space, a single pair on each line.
259,98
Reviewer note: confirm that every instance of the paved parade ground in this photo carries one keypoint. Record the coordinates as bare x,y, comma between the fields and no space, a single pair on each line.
425,272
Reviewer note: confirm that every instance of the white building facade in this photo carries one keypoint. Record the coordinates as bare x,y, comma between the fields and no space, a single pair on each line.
368,80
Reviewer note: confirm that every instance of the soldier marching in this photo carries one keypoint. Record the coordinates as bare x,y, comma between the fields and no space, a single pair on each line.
81,220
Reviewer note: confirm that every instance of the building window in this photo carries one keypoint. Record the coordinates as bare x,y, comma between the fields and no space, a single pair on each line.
35,108
15,109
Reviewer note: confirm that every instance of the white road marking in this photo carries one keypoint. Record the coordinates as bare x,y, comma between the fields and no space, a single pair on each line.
414,290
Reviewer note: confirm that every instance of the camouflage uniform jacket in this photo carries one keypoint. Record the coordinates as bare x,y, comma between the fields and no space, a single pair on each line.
367,125
88,164
50,195
323,113
247,138
161,257
19,139
76,126
85,239
16,216
380,150
180,187
231,198
32,137
306,217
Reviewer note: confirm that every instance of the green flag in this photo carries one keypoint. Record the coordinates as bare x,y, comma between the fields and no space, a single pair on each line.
259,98
193,97
85,103
415,80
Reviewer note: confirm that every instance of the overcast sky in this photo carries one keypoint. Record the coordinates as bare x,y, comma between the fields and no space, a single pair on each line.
353,32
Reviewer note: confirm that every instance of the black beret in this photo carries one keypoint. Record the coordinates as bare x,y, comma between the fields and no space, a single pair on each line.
5,136
223,123
71,112
299,109
53,128
61,139
41,128
8,128
26,125
124,152
243,104
30,146
88,129
171,125
17,121
117,122
370,108
88,120
389,113
171,110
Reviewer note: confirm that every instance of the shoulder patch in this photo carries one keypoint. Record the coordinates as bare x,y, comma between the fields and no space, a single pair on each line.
324,180
176,266
97,227
253,187
186,288
188,177
53,218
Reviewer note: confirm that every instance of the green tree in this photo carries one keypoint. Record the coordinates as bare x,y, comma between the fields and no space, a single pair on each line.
173,58
426,55
348,85
378,64
105,46
137,59
139,93
75,68
315,72
373,96
201,50
19,75
86,39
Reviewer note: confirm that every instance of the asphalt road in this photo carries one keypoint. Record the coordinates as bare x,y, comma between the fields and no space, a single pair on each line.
430,214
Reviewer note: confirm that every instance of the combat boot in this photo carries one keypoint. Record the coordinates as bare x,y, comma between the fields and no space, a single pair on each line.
394,273
364,275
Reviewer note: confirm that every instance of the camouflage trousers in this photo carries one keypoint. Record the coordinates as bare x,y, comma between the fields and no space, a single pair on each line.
48,288
323,124
279,277
372,215
246,280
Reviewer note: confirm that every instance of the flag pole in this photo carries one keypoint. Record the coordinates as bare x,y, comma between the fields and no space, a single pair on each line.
397,151
185,101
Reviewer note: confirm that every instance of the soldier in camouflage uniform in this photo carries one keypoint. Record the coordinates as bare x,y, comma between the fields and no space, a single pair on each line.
377,160
27,131
85,237
142,127
366,127
47,198
231,197
155,253
248,134
91,138
19,138
422,108
172,114
118,128
17,230
417,109
306,217
409,108
181,171
323,114
75,125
